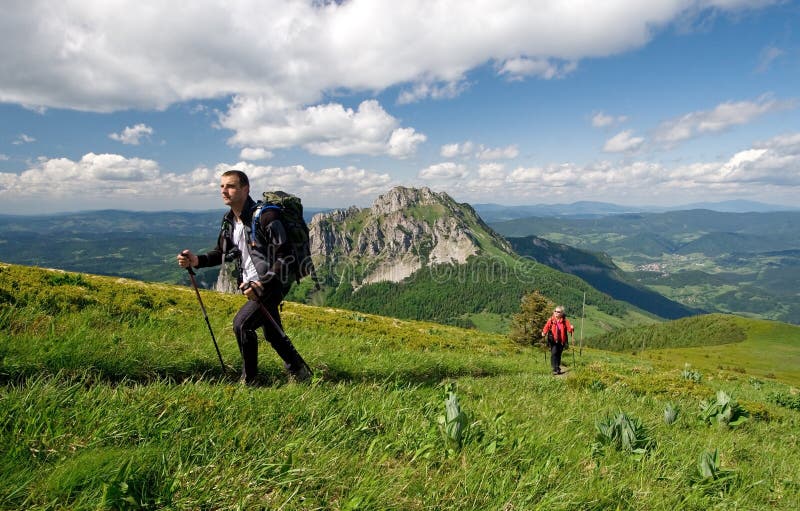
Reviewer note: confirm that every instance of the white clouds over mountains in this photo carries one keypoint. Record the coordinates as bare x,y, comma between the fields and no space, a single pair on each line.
98,179
329,129
722,117
279,59
510,93
672,132
770,167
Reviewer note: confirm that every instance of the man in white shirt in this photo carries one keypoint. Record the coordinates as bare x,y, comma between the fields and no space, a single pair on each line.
265,264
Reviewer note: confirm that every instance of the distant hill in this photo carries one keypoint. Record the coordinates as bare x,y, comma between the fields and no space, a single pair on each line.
707,344
140,245
591,209
601,272
706,330
684,254
779,228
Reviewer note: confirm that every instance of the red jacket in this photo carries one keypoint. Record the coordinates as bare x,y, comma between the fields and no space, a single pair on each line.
559,327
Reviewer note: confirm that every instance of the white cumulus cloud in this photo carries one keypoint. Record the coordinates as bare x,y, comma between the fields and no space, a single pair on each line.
132,135
255,153
329,129
444,171
470,150
280,59
603,120
722,117
522,67
498,153
622,142
22,138
423,90
457,149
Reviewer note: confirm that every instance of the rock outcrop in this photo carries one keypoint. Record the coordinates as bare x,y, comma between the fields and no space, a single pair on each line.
404,230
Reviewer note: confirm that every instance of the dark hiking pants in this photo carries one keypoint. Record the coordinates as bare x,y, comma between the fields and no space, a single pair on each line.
250,318
556,348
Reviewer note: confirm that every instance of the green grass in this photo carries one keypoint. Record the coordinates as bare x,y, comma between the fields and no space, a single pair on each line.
770,350
112,398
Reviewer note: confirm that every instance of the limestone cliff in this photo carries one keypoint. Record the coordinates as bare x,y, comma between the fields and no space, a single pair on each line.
405,230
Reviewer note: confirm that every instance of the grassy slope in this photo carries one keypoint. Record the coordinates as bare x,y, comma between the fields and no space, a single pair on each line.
488,285
111,411
771,350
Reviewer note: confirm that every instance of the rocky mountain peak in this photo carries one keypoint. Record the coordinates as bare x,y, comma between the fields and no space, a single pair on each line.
400,198
405,230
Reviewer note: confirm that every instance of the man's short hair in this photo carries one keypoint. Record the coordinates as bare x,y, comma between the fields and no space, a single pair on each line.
243,181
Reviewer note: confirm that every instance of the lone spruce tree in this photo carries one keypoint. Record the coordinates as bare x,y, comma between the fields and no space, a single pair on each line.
527,324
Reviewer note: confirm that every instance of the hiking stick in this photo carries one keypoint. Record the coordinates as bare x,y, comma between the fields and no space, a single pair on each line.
546,350
583,313
271,319
205,315
573,350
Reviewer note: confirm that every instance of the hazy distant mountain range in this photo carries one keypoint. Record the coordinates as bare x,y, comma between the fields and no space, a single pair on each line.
589,209
743,263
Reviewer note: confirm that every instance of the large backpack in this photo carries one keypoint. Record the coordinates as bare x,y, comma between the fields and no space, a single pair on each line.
291,209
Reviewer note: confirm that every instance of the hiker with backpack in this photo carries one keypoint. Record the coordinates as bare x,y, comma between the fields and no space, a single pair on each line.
254,236
557,330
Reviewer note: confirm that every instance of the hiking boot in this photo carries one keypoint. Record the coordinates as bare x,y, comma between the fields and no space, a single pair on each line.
245,381
301,374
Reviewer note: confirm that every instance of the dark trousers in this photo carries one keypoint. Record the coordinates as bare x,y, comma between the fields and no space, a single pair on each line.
250,318
556,348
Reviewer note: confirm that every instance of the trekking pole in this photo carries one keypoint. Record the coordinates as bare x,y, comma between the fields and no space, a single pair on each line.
271,319
546,349
205,315
583,313
573,350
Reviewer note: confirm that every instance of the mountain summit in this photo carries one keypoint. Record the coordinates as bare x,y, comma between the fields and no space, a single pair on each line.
405,230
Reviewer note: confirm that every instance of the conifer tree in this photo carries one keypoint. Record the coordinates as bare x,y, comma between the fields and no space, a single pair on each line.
527,324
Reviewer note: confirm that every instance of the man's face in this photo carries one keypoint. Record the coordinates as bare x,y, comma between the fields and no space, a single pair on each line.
233,193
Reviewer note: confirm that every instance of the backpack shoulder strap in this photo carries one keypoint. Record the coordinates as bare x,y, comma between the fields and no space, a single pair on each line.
259,208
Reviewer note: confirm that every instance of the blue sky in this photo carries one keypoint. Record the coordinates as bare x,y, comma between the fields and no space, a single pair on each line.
142,105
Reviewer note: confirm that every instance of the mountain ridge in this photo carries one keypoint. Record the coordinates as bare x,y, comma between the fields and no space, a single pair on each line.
492,212
404,231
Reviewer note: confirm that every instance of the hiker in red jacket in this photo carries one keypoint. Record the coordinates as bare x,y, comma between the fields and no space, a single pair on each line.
557,330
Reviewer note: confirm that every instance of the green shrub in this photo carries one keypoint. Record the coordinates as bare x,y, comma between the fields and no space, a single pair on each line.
724,411
691,374
454,423
670,414
710,474
623,433
786,400
705,330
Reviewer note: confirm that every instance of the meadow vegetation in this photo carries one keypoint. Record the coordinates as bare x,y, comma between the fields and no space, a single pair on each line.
112,397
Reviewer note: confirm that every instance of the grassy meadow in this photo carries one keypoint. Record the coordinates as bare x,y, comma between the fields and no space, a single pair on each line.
112,397
770,349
